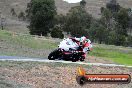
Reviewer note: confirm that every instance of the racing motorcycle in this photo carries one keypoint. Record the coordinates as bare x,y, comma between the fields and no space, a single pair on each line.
70,51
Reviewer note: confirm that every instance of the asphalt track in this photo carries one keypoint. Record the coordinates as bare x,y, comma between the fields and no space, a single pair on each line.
26,59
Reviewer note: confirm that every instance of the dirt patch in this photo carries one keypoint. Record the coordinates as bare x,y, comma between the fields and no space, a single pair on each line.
44,76
93,59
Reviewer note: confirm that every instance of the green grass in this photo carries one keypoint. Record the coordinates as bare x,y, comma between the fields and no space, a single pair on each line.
120,55
27,41
25,45
117,54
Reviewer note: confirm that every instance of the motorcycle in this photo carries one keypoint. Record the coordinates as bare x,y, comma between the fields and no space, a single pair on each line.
70,51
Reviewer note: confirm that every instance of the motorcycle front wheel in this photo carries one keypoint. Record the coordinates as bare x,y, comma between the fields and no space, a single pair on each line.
74,58
53,55
82,59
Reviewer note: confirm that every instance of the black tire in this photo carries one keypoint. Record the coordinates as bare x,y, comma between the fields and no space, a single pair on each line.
53,55
82,59
81,80
74,59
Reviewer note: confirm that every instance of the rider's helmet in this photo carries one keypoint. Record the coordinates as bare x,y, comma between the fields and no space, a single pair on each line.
87,40
82,40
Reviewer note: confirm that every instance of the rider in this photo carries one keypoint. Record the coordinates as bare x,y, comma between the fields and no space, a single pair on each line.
82,43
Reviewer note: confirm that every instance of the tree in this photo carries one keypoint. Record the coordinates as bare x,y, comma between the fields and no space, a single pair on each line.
123,17
83,3
113,6
101,33
98,32
92,30
120,40
57,32
21,16
129,40
102,9
111,38
13,12
28,10
61,20
41,14
78,21
106,18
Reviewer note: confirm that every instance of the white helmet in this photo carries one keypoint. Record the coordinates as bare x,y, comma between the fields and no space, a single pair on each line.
83,39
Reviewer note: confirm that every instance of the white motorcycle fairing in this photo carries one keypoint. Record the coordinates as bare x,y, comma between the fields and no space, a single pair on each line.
68,44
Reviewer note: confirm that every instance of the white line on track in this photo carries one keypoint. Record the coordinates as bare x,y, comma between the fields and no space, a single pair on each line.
66,62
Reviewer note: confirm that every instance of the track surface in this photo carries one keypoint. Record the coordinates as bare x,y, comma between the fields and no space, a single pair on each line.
26,59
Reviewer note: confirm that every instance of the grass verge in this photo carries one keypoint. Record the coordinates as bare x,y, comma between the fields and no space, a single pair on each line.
120,55
31,47
27,41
